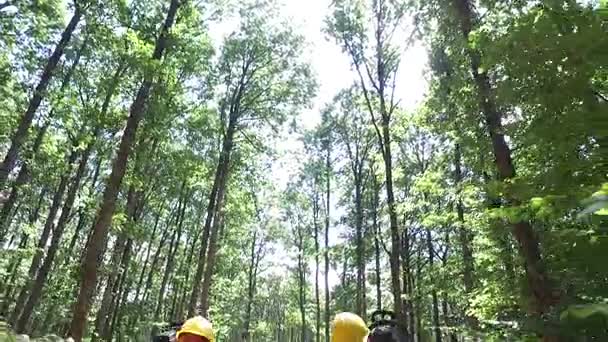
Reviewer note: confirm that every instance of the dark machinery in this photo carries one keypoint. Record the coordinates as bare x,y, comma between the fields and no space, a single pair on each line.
384,328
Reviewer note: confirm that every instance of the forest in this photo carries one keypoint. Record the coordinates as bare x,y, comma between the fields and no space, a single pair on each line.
155,168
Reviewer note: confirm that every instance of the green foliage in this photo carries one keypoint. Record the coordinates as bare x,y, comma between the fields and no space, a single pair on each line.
545,64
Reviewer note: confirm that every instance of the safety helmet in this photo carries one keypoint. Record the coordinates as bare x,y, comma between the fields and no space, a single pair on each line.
199,326
348,327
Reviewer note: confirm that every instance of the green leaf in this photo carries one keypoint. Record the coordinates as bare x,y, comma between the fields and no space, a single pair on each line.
583,312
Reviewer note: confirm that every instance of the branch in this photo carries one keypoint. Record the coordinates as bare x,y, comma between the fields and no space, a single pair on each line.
250,140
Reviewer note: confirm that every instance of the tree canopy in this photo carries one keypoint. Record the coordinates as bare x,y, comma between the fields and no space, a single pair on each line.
168,158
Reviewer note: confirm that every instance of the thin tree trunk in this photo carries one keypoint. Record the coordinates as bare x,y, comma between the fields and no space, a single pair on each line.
544,295
13,269
42,242
431,252
42,275
182,302
173,247
317,265
301,285
198,276
156,259
407,290
465,236
211,254
118,295
251,274
377,233
110,287
23,175
446,317
326,250
147,258
360,249
21,133
95,249
215,206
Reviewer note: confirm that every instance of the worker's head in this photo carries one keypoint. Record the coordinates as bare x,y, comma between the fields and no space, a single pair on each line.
348,327
196,329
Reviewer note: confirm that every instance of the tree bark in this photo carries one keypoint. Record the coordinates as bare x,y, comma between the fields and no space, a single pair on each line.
21,133
544,295
301,282
360,249
431,252
315,214
377,234
95,249
326,249
211,254
251,276
464,234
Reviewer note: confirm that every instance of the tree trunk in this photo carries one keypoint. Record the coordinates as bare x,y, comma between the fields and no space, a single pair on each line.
42,242
9,283
21,133
22,178
121,291
155,260
407,289
301,286
317,265
544,296
198,276
360,249
326,249
431,252
251,275
464,234
95,249
182,302
214,207
23,175
446,318
42,275
377,234
147,258
173,247
111,286
211,254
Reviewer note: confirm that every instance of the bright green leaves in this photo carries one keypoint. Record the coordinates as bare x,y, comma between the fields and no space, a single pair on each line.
264,77
598,203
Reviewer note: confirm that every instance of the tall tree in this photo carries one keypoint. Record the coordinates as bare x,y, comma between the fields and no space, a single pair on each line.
21,133
95,248
376,63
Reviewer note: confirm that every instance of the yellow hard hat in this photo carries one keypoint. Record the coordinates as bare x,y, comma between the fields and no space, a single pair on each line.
199,326
348,327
